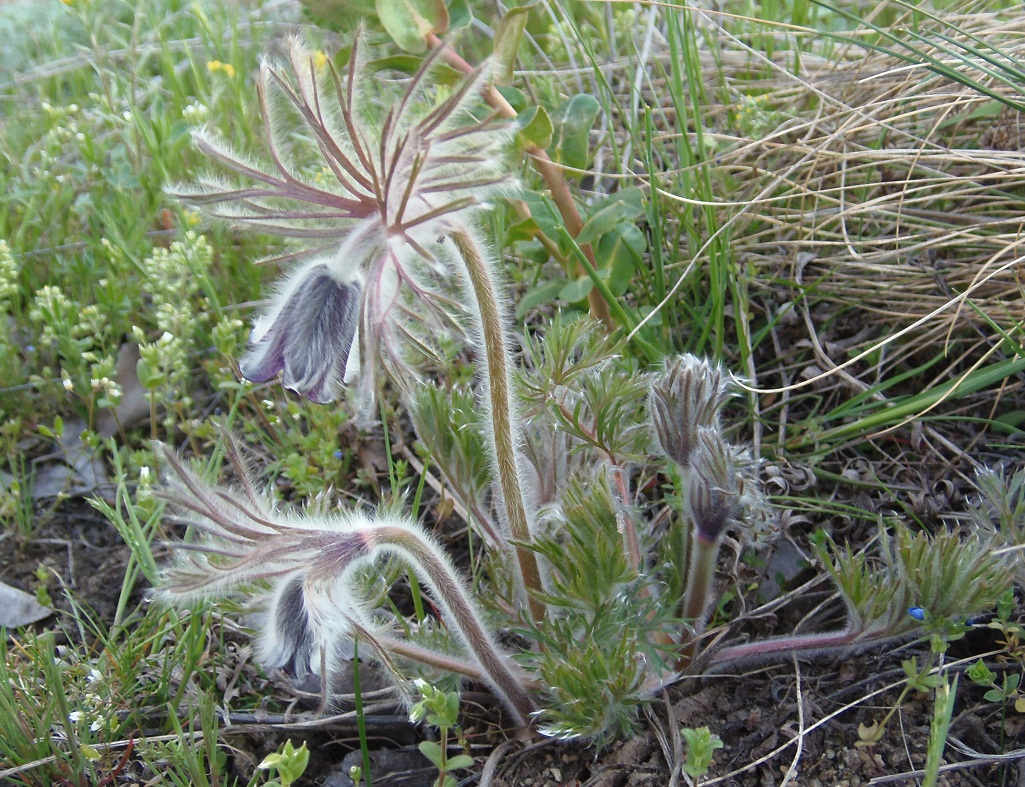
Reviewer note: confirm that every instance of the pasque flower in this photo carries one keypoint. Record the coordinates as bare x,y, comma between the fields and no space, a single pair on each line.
377,188
307,333
371,189
313,606
686,397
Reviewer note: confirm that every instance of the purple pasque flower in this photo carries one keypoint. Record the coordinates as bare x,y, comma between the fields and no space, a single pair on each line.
307,333
376,185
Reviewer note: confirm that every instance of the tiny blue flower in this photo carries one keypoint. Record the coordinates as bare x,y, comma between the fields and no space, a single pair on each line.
917,613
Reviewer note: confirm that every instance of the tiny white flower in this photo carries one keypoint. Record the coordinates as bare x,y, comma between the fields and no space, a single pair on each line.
75,716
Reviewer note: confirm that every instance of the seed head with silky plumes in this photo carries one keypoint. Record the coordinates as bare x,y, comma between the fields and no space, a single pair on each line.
372,191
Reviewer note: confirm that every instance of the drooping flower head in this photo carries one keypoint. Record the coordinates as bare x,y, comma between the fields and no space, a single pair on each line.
304,568
372,187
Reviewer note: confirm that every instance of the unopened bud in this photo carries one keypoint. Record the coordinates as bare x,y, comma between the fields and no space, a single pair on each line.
684,399
713,492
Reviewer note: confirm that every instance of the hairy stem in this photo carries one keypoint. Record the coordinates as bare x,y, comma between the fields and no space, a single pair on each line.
407,650
449,590
767,649
700,573
505,436
549,171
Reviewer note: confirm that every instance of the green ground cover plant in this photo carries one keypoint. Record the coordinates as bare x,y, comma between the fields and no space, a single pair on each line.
576,302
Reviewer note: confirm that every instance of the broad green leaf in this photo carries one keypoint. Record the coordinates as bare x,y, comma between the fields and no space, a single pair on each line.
577,290
620,252
432,751
517,98
406,64
508,35
459,15
409,22
541,213
573,123
538,295
525,229
535,128
606,214
452,708
459,761
441,73
332,14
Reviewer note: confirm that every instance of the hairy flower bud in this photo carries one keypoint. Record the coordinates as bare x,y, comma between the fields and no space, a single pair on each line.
686,397
308,333
287,642
714,490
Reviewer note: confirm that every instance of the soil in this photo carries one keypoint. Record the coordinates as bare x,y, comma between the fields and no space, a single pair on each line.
796,723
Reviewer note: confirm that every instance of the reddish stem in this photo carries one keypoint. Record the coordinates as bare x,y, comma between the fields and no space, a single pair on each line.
549,171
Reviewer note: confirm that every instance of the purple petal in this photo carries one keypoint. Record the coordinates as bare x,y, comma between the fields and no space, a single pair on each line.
288,641
267,357
323,314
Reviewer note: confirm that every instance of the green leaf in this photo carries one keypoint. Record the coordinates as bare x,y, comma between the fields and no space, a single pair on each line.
149,378
409,22
333,13
459,15
406,64
508,35
432,751
459,761
606,214
620,252
980,674
517,98
451,708
541,214
523,230
577,290
535,128
538,295
573,123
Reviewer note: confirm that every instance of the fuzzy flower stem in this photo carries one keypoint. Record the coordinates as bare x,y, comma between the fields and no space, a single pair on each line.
496,375
407,650
548,170
450,591
700,573
768,649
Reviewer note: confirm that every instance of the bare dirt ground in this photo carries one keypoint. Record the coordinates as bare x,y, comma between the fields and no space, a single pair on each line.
794,723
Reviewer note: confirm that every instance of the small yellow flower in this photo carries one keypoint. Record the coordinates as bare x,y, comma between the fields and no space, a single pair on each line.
319,59
215,66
